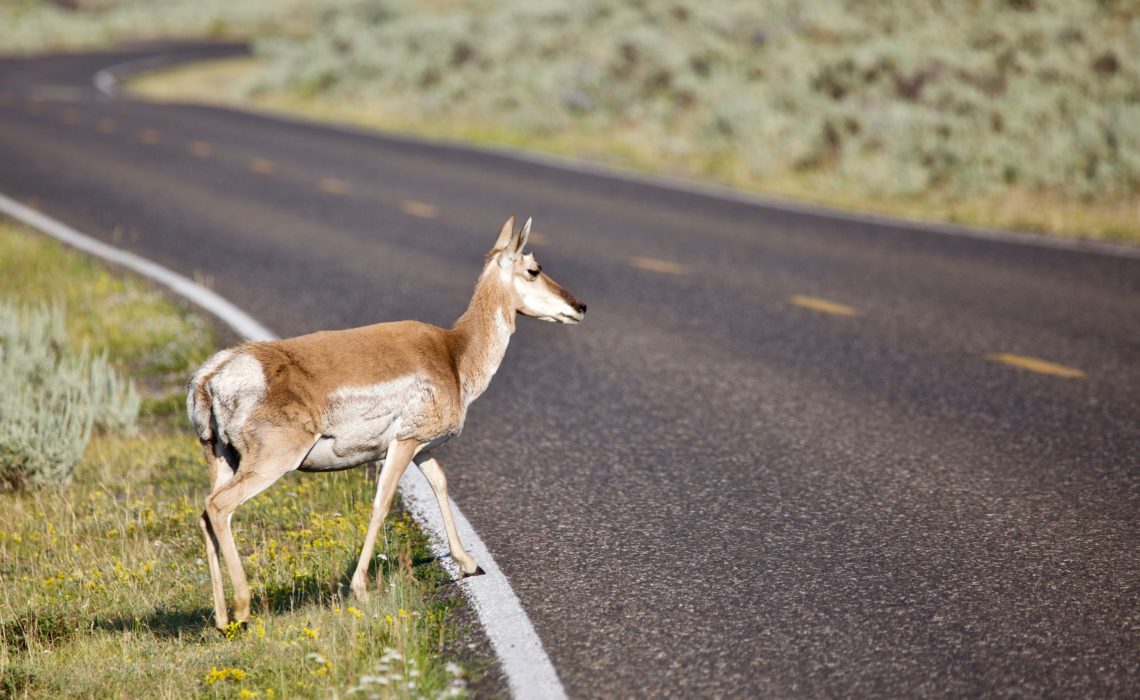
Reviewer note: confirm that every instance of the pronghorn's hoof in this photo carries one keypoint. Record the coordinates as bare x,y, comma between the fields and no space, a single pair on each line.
477,572
359,590
232,629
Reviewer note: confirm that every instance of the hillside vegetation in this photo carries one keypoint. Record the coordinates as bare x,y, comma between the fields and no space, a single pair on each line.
52,25
1022,113
874,101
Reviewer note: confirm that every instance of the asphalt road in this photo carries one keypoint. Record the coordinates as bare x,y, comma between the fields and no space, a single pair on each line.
706,489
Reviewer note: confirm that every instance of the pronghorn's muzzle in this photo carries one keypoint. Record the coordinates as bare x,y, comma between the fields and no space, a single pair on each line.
578,309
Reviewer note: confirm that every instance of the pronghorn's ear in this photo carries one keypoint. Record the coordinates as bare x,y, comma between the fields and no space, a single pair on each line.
520,242
505,234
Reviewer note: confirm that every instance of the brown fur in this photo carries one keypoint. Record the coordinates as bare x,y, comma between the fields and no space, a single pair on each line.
302,373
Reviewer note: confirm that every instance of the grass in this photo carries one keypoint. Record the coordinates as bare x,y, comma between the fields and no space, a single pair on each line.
103,587
37,25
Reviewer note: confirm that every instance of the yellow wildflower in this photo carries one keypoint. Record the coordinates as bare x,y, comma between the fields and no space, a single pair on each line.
226,673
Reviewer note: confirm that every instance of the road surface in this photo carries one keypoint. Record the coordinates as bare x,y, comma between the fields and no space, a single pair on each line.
787,454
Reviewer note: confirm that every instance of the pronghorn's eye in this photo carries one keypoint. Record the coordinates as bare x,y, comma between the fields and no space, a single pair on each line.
535,271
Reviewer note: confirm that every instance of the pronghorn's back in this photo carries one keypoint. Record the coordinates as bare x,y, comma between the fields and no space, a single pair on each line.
300,381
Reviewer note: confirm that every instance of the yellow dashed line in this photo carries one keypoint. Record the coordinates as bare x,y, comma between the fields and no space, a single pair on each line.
1034,364
420,209
201,149
70,116
107,126
332,185
655,265
823,305
261,166
149,136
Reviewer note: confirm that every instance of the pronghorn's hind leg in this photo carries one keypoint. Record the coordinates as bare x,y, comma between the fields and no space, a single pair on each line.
223,462
277,451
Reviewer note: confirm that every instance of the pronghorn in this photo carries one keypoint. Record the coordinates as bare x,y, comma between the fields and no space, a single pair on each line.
339,399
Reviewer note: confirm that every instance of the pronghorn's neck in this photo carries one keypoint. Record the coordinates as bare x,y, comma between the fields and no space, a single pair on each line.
482,334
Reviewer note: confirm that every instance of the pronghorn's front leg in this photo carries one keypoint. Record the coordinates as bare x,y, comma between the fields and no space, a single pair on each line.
396,462
435,476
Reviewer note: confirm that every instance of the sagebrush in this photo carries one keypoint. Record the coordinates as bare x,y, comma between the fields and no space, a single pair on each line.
888,98
38,25
53,397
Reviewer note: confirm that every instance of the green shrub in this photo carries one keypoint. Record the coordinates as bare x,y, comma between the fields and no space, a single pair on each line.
53,397
38,25
115,399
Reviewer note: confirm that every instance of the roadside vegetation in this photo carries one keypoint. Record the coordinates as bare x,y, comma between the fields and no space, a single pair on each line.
1012,113
103,588
32,26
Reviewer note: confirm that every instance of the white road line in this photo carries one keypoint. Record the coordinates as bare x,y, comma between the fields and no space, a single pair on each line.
525,664
234,317
106,80
528,669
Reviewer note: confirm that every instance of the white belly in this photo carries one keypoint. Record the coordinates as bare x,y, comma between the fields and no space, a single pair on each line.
329,456
360,424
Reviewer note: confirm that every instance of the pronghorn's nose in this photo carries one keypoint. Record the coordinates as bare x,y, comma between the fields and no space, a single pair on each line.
581,308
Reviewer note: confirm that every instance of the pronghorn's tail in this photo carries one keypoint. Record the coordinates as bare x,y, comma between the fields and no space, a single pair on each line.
199,402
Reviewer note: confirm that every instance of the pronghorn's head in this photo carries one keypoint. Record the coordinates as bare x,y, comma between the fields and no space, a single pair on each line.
532,292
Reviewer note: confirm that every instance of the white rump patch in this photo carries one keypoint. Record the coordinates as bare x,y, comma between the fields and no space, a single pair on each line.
198,410
236,389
